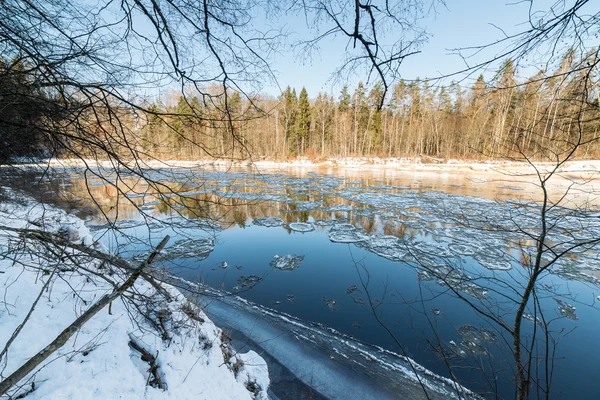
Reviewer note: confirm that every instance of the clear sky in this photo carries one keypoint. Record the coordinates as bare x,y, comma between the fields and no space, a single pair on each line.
461,23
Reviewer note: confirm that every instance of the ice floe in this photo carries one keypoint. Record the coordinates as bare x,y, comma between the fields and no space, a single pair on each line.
288,262
301,226
269,222
346,233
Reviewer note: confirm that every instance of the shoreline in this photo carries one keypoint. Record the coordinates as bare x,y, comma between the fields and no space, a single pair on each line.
309,359
349,163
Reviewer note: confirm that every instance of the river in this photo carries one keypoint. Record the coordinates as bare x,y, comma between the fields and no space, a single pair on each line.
426,264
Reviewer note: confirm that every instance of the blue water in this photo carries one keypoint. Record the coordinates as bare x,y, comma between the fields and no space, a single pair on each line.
333,283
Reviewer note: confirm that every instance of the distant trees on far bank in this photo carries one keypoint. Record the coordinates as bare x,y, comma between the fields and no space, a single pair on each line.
499,118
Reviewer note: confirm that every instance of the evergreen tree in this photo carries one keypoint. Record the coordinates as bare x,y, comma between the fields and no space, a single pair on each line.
304,120
344,100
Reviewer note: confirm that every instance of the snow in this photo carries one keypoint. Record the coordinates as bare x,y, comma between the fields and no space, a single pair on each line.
98,362
403,163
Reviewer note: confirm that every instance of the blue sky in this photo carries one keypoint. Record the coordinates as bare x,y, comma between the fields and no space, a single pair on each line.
461,23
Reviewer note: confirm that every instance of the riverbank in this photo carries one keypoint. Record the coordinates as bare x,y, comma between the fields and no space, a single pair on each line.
119,352
427,164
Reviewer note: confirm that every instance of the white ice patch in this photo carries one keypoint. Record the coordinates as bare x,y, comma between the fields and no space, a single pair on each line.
269,222
346,233
288,262
301,226
389,247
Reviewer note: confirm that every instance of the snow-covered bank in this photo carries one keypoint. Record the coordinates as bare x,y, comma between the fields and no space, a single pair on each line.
421,164
193,357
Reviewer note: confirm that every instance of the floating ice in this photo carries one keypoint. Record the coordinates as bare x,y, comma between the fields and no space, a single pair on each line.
186,248
346,233
301,226
331,303
351,289
358,300
324,222
247,281
222,264
269,222
339,208
450,276
478,335
530,317
462,249
432,248
307,205
288,262
493,264
566,310
389,247
471,341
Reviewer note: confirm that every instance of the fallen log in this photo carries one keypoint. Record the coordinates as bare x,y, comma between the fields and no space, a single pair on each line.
66,334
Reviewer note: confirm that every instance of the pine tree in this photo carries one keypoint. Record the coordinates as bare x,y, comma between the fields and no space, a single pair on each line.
304,120
290,115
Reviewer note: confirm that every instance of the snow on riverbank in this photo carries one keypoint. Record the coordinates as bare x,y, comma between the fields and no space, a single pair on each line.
193,358
417,164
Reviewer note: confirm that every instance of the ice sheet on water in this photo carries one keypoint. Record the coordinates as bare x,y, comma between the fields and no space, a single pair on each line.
331,303
339,208
432,248
461,249
222,265
566,310
198,248
475,334
269,222
456,278
301,226
346,233
122,224
389,247
573,272
530,317
491,263
472,340
307,205
288,262
247,281
324,222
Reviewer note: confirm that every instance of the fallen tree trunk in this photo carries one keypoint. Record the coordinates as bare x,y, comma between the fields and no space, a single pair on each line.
66,334
156,380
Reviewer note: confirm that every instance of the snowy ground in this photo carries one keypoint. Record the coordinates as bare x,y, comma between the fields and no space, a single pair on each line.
194,361
402,164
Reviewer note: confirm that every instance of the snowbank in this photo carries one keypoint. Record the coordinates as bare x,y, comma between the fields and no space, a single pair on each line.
424,164
193,357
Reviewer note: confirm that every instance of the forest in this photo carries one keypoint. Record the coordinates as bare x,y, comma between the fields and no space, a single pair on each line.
502,117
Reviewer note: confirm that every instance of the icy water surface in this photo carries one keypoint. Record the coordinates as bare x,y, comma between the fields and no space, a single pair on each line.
417,252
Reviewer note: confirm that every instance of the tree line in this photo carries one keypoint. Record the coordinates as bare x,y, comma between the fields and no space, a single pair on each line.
501,117
496,118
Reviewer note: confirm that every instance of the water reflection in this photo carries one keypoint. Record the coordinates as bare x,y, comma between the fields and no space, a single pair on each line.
306,243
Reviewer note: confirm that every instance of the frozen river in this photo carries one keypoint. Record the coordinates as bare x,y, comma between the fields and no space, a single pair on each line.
428,265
